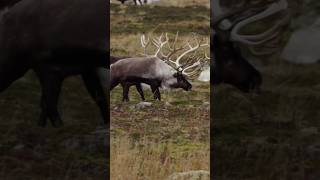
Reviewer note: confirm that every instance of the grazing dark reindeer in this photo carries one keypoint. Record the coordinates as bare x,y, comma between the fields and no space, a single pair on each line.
56,39
154,71
229,65
135,1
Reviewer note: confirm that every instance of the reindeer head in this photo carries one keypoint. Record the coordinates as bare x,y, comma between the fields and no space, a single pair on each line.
230,65
184,66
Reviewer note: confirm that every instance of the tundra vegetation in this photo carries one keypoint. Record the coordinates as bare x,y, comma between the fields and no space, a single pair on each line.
273,135
172,135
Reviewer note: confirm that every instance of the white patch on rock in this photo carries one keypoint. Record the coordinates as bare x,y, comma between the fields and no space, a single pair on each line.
205,75
143,105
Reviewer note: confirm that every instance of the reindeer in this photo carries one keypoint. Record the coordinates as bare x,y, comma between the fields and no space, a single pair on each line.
155,71
127,85
56,42
135,1
229,64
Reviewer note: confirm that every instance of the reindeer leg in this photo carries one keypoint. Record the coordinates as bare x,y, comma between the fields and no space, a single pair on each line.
125,91
135,2
51,87
113,83
95,89
140,91
156,92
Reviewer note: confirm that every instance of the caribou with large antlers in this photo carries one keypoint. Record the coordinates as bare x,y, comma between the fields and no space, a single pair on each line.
229,64
159,70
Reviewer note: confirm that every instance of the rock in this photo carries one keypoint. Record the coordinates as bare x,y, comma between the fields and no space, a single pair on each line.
206,105
205,75
143,105
167,104
191,175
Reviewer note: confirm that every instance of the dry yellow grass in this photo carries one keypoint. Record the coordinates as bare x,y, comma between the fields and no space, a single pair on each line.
153,161
156,142
184,3
130,45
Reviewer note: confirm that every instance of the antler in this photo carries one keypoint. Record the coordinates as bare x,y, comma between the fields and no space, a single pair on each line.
144,43
265,36
173,49
190,49
189,62
159,43
255,11
197,66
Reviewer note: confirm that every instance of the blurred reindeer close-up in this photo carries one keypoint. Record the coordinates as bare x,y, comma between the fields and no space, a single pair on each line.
271,132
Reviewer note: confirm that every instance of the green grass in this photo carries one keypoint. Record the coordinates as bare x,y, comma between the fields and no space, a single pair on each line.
134,20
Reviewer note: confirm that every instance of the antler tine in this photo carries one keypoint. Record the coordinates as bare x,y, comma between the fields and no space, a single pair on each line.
198,64
172,49
191,49
195,71
221,15
191,58
267,35
175,41
144,43
264,38
205,54
159,43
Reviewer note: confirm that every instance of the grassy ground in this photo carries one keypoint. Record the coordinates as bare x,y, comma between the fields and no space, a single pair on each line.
154,142
274,135
172,135
30,152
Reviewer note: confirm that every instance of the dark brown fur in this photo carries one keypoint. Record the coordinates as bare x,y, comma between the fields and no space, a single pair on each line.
56,39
